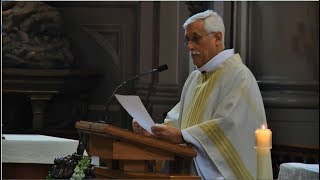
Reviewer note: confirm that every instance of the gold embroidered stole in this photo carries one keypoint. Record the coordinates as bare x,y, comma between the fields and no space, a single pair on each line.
202,91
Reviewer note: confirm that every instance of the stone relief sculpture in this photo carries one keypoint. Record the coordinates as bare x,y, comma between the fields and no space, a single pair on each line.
32,37
197,6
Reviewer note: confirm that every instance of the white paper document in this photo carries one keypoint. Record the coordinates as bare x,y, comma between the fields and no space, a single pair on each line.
133,105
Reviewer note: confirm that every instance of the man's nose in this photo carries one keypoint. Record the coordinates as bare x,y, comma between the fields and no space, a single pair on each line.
190,45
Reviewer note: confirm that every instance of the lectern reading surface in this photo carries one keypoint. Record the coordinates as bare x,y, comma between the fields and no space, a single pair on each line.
128,155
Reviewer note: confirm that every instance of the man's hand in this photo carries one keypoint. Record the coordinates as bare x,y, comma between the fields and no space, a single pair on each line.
139,130
167,133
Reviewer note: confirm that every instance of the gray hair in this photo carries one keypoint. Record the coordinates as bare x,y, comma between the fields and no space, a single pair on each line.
212,22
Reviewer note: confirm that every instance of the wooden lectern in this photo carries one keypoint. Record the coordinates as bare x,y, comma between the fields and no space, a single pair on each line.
127,155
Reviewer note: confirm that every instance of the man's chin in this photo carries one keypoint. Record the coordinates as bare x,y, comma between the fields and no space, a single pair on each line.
195,62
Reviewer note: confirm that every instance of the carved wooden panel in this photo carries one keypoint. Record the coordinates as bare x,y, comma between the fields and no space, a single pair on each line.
104,38
110,37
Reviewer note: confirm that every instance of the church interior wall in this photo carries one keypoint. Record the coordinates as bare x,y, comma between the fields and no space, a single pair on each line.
279,42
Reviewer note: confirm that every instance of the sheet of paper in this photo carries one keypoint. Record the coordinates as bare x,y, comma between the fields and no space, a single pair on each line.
133,105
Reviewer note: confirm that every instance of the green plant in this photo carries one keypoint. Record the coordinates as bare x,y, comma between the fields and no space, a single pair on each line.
81,168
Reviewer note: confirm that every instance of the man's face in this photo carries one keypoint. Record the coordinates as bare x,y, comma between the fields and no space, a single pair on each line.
202,46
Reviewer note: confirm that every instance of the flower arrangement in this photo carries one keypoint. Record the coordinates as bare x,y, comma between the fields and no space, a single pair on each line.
80,170
73,167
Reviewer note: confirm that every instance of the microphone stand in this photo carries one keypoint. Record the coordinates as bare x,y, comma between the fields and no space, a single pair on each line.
123,83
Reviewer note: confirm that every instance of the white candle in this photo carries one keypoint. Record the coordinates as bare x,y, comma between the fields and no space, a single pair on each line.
263,138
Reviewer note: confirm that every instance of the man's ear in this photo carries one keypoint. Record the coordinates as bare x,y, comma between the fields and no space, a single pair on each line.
218,36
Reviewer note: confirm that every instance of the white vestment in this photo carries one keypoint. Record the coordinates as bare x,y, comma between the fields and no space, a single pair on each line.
219,110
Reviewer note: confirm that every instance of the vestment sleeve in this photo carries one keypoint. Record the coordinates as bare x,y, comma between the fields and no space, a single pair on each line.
173,116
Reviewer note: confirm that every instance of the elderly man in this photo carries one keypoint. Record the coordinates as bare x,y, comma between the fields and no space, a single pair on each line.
220,106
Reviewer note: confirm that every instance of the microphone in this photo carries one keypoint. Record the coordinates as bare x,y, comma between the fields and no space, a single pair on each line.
159,69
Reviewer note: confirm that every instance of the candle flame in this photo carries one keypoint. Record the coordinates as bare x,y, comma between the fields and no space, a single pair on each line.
263,127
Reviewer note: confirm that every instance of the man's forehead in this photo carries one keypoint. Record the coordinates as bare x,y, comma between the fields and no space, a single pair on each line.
194,28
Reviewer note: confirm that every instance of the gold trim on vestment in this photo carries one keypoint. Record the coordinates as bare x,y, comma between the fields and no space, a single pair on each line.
226,149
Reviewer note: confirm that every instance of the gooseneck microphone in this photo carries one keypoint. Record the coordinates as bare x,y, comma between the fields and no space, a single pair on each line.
158,69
